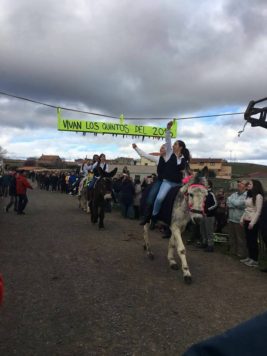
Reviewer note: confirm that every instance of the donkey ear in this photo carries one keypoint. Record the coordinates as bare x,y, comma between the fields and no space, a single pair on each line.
184,188
112,173
100,171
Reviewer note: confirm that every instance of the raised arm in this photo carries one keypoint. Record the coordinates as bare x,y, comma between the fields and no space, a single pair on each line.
168,140
145,155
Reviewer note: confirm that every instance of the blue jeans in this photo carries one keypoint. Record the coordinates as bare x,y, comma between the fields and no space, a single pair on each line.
166,185
92,183
153,192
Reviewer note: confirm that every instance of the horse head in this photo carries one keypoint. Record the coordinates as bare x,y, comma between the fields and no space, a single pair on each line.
195,192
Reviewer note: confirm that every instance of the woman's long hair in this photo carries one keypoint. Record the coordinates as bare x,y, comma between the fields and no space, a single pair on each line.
256,189
185,152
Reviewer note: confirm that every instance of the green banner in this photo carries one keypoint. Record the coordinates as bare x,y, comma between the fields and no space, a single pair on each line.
113,128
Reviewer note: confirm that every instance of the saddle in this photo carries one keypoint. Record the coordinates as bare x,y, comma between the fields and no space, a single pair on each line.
165,214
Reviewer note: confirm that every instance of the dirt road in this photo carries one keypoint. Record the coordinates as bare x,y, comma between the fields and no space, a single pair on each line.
74,290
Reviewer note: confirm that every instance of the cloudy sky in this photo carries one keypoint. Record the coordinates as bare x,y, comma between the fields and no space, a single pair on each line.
145,59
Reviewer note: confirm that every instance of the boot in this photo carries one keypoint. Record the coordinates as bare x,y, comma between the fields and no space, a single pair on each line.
153,222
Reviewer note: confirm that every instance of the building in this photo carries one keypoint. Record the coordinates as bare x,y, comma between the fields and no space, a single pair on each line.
123,160
135,170
50,161
217,165
10,164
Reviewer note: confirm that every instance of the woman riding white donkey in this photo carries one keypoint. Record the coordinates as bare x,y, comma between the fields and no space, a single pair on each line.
188,203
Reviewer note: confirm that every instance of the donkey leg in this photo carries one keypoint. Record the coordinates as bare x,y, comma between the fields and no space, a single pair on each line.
147,245
101,217
171,249
93,212
87,206
181,253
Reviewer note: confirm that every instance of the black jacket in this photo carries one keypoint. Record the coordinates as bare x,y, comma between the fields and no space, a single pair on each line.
210,204
174,171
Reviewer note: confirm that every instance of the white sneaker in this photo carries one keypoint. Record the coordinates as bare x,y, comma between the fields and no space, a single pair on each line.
244,260
252,263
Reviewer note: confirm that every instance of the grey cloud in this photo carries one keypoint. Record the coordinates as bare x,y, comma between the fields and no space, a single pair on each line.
156,59
143,59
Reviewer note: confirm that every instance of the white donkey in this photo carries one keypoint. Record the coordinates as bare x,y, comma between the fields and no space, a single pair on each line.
82,193
188,204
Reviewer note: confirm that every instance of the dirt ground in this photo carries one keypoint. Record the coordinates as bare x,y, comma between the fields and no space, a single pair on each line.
71,289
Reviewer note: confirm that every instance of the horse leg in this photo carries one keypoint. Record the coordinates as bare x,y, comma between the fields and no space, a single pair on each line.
176,232
171,249
147,245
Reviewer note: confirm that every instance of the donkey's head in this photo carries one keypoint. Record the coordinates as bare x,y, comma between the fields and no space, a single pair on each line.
195,193
104,183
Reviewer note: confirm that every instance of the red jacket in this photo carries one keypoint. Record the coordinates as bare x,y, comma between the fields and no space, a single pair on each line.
22,184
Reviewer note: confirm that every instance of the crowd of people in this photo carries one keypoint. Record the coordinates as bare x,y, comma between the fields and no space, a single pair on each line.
240,214
15,185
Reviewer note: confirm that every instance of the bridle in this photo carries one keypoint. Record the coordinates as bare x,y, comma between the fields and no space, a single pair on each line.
187,194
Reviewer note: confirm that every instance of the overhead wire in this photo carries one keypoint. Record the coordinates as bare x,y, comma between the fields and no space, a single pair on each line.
115,117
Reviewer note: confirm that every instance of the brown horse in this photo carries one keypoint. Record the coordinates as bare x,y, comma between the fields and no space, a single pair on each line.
97,196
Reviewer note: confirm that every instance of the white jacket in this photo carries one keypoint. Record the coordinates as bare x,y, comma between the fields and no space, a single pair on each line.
252,212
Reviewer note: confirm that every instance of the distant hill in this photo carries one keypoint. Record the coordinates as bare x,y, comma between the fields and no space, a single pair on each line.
244,169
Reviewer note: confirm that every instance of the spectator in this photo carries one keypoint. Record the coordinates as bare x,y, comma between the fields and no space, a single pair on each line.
236,207
22,185
12,193
263,230
250,221
5,184
63,185
71,181
221,211
54,182
116,187
207,223
137,198
47,181
126,170
126,196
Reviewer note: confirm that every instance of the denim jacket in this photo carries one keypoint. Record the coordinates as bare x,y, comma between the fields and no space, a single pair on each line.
236,206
